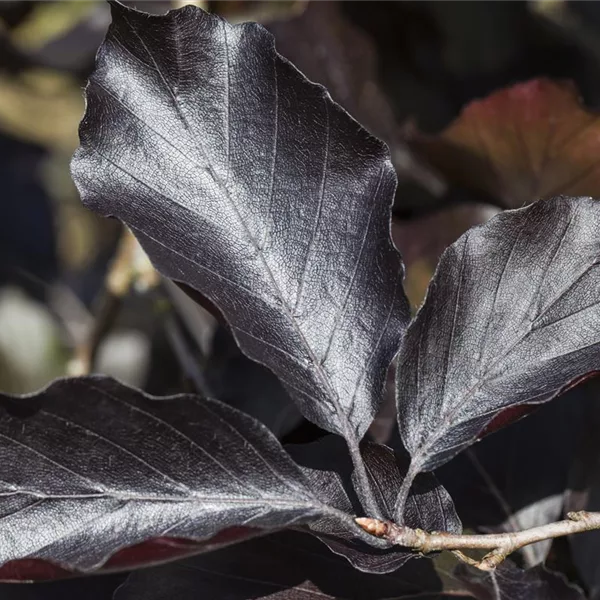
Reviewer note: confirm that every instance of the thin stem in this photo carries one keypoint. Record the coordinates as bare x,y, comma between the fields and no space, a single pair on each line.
129,266
185,356
500,544
404,492
361,479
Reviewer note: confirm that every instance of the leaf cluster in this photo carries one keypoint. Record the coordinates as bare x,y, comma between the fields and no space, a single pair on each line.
246,182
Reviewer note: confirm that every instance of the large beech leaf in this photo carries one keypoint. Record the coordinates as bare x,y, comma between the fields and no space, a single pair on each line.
508,582
510,319
89,466
247,182
529,141
284,566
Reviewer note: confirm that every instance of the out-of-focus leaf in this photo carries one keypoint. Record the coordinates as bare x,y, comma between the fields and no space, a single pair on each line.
588,14
284,566
27,231
328,467
509,320
13,13
200,324
125,355
508,582
248,386
245,181
516,478
262,11
85,240
533,140
330,50
74,49
89,467
48,21
54,99
479,39
31,353
421,242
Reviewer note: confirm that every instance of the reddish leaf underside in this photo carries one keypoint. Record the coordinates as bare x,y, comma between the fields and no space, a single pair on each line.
529,141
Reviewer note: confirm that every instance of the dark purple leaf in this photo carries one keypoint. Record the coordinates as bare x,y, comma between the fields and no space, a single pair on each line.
248,183
508,582
284,566
328,467
89,467
509,320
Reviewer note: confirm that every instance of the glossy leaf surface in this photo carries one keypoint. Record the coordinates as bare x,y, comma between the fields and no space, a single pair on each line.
248,183
510,319
89,467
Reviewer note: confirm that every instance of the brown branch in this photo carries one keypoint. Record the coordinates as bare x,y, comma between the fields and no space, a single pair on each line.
185,356
129,267
500,544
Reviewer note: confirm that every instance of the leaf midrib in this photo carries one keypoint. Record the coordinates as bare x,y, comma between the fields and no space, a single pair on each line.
191,498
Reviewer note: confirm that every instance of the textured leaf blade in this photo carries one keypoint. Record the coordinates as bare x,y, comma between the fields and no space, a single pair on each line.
89,467
510,319
246,182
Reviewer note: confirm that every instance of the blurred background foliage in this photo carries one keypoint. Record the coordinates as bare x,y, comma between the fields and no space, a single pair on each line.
76,294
